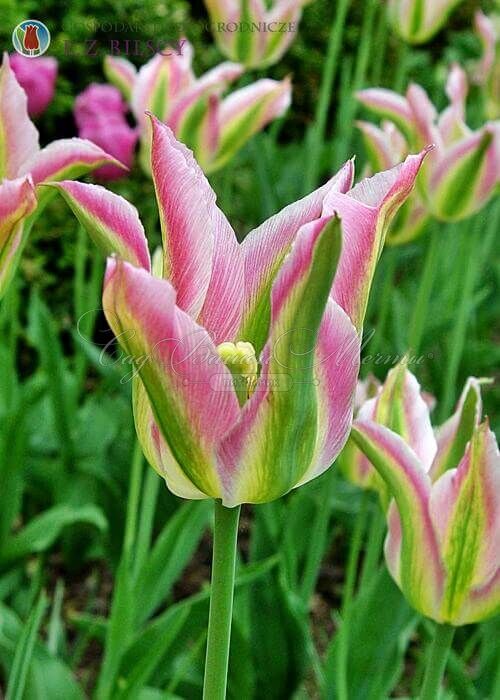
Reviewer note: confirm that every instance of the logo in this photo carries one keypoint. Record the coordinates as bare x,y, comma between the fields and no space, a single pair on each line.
31,38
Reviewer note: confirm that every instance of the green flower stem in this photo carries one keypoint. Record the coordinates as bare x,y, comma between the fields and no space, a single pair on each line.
436,661
421,305
133,500
221,601
319,534
348,593
373,550
317,133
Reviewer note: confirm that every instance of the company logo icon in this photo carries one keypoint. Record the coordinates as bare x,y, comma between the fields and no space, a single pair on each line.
31,38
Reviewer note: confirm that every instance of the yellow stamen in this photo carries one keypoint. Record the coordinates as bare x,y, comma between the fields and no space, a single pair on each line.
241,361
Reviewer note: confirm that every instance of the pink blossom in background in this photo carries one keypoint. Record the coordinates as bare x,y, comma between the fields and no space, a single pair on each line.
37,77
97,101
100,117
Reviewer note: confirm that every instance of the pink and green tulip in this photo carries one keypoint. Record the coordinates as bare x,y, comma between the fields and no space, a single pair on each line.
417,21
487,73
24,166
246,355
463,171
250,33
443,546
214,127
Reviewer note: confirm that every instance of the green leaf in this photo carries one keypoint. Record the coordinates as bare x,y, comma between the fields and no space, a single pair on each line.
44,530
380,626
24,651
47,676
119,630
171,553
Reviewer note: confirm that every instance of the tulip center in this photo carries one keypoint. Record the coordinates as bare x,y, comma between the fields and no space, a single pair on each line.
241,361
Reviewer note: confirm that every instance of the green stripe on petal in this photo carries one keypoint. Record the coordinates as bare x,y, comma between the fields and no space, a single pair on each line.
247,111
273,445
177,362
467,175
155,448
401,408
17,202
453,436
419,573
465,510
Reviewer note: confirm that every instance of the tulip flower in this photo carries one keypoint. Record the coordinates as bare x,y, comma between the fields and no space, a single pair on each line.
37,77
443,546
245,356
463,171
215,128
487,73
203,298
417,21
23,166
249,33
100,117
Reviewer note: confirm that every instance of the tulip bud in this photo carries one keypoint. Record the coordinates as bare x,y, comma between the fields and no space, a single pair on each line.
37,76
246,32
416,21
443,546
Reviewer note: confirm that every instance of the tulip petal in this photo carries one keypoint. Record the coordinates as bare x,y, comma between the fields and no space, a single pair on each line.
455,433
483,602
287,14
247,111
176,361
111,221
410,221
385,147
265,248
158,83
202,259
424,115
66,159
465,511
366,211
467,174
154,447
336,369
182,118
18,134
273,445
388,105
401,407
121,73
417,567
17,201
223,306
485,29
